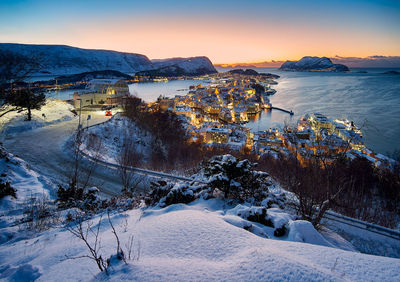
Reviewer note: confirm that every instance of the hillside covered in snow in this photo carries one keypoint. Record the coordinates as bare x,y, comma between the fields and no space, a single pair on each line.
313,64
202,241
64,60
181,66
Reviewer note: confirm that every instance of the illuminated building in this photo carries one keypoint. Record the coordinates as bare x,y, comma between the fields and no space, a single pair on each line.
217,135
102,92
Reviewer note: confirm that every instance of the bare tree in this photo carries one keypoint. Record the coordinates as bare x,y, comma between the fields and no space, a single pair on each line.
128,158
89,234
317,177
79,175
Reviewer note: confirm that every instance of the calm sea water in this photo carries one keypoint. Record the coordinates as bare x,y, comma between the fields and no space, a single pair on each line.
150,91
371,100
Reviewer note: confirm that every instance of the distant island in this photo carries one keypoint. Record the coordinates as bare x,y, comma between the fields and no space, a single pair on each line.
253,72
391,72
173,67
313,64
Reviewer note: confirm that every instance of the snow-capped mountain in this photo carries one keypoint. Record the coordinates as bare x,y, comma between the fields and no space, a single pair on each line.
190,65
181,66
313,64
63,60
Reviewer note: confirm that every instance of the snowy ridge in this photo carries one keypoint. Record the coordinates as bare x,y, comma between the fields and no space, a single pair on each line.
190,65
180,66
62,59
27,183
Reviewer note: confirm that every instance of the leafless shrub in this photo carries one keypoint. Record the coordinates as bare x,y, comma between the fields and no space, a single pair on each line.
85,230
89,234
79,176
39,214
127,159
120,252
329,180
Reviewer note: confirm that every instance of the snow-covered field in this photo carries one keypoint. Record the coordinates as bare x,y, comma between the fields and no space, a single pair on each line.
28,183
54,111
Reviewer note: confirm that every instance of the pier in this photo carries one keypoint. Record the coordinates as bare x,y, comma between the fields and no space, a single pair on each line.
283,110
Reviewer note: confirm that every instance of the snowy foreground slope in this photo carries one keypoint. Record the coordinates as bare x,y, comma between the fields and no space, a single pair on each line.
185,243
202,241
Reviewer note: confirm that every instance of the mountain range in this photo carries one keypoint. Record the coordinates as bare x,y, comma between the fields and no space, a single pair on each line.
63,60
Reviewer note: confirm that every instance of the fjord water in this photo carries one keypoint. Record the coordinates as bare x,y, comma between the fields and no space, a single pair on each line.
150,91
371,100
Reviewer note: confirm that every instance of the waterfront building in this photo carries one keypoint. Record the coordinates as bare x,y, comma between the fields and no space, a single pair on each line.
102,92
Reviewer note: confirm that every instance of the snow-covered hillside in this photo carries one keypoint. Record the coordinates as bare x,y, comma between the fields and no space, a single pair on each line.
207,239
28,184
313,64
190,65
114,136
181,66
62,59
185,243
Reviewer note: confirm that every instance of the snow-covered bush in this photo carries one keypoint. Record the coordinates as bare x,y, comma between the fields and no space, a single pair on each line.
255,214
179,194
158,190
275,200
7,190
85,199
236,179
164,193
280,231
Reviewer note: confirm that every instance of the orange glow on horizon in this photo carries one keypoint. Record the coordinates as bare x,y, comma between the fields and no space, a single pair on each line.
223,41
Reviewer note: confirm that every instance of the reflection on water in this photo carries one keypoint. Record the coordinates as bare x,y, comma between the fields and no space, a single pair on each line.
371,100
65,94
269,119
150,91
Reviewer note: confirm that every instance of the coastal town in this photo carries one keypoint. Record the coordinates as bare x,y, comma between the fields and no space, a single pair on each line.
199,140
215,111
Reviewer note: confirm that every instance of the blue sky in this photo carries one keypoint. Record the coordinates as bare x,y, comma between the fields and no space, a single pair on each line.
253,30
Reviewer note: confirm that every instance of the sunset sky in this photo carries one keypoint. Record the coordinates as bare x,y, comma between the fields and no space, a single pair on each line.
225,31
